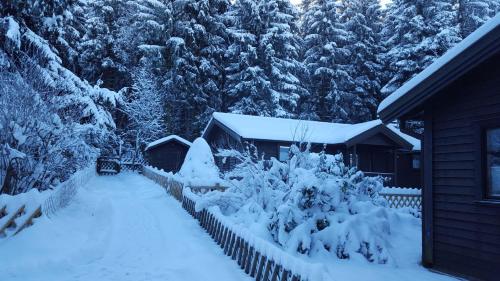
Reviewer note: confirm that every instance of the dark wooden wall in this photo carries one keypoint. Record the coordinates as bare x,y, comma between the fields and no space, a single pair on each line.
168,156
464,232
407,176
376,154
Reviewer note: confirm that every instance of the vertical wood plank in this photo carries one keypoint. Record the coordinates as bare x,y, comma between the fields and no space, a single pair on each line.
236,248
248,262
276,271
284,275
254,264
228,241
267,271
260,269
224,238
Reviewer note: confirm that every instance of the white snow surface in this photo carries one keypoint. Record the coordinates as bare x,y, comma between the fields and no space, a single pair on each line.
441,61
31,201
121,228
401,190
294,130
199,167
417,146
167,139
13,32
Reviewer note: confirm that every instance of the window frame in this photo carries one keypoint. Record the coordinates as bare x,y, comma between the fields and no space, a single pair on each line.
482,127
287,155
416,157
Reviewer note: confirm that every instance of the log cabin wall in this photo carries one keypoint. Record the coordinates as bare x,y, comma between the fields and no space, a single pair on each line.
463,231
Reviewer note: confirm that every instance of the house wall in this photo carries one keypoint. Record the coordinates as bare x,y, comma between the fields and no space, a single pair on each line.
461,232
168,156
407,176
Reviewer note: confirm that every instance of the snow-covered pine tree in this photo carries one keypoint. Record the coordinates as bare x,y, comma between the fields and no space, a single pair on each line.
99,61
73,118
247,86
279,47
265,73
416,33
358,102
195,58
473,13
326,58
145,28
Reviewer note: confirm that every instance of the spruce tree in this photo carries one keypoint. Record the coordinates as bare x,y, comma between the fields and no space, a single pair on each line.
279,48
326,59
195,59
247,87
416,33
359,100
473,13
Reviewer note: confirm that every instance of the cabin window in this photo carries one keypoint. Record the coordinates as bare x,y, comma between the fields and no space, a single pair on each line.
493,162
416,161
284,153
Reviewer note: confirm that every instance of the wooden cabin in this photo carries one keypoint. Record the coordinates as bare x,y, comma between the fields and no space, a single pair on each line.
373,147
167,153
458,99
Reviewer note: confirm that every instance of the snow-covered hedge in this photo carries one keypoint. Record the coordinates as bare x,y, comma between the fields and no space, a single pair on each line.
312,205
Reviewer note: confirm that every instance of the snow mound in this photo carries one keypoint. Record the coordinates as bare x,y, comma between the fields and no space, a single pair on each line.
199,167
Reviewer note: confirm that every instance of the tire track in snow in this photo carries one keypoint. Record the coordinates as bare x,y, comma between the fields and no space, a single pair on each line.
119,228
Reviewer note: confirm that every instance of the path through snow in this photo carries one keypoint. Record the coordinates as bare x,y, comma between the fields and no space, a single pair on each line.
122,228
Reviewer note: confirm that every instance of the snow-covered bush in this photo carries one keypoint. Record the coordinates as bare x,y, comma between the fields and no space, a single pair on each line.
199,167
312,204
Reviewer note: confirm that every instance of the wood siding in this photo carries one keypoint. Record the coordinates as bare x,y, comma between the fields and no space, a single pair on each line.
466,232
168,156
376,154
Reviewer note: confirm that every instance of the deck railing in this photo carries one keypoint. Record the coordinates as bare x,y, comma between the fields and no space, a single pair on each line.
402,197
256,257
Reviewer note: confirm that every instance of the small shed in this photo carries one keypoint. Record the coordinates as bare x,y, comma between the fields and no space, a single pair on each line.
373,147
458,99
167,153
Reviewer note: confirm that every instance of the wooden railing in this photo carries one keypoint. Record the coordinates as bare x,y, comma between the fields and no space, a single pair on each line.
256,257
17,220
403,197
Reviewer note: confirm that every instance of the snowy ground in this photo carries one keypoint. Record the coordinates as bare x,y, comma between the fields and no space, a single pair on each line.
126,227
118,228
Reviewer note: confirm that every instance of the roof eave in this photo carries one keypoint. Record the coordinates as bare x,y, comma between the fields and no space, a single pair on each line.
380,129
414,98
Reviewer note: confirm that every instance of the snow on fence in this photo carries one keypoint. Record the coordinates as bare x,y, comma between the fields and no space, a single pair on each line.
258,258
67,191
19,211
398,197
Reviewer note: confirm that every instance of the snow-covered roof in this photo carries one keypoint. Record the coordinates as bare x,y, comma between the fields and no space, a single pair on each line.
292,130
167,139
414,141
441,62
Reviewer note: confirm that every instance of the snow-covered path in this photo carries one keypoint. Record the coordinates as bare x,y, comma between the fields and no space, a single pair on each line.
121,227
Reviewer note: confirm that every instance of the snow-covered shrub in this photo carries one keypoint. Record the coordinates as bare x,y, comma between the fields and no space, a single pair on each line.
199,167
312,204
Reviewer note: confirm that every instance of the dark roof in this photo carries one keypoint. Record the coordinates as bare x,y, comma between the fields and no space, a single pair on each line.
473,50
168,139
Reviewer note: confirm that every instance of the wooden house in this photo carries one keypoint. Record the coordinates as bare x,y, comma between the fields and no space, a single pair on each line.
167,153
458,99
373,147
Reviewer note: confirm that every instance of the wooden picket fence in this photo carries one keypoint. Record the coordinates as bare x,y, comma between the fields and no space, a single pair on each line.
10,223
252,259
